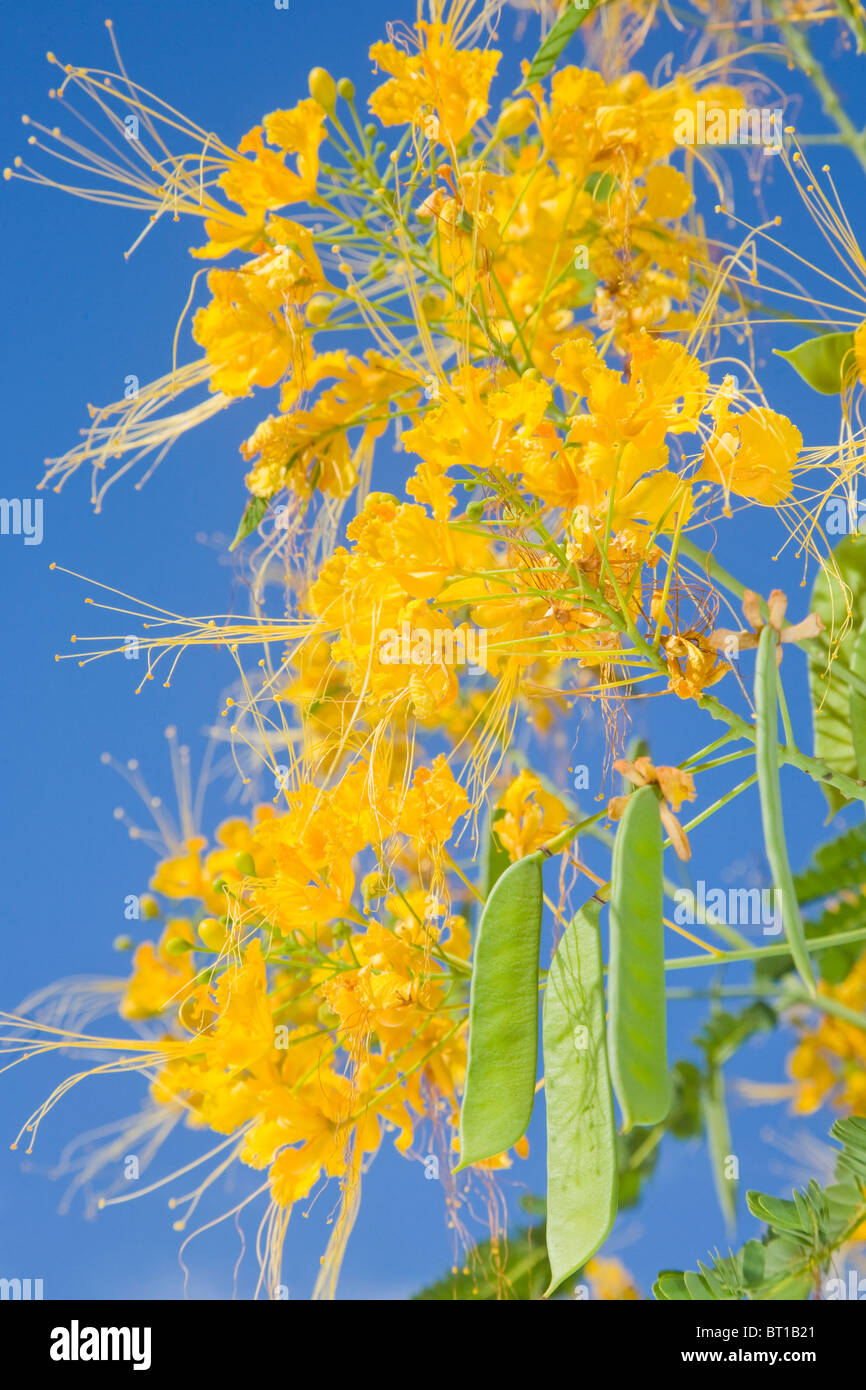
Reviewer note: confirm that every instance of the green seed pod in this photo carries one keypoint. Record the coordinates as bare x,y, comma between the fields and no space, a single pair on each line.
636,977
581,1136
503,1015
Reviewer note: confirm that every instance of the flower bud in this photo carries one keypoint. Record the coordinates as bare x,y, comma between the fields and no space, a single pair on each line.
433,306
245,864
212,933
514,118
346,88
123,943
178,946
323,88
318,308
327,1017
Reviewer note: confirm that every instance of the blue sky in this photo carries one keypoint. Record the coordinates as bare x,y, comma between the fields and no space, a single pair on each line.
79,320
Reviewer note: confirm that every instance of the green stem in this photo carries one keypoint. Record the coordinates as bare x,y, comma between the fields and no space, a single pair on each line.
842,938
801,52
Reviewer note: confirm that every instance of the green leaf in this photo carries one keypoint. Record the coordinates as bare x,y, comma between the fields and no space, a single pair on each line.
601,184
517,1269
503,1016
587,284
831,703
767,762
564,29
802,1240
837,865
724,1033
826,363
857,702
636,980
581,1136
253,513
836,962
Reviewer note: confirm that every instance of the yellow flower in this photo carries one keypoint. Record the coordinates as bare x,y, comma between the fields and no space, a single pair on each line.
442,88
610,1280
159,980
532,816
751,454
252,329
860,351
693,663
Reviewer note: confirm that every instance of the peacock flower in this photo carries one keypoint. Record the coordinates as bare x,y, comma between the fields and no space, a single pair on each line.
442,89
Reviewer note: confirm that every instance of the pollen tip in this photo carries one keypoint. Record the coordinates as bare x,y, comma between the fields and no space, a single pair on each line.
53,565
51,57
7,173
73,638
25,120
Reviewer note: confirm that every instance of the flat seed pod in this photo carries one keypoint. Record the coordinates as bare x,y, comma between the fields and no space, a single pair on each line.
636,980
503,1015
767,760
581,1135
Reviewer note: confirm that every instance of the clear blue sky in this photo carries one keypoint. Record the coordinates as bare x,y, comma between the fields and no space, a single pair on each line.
79,319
